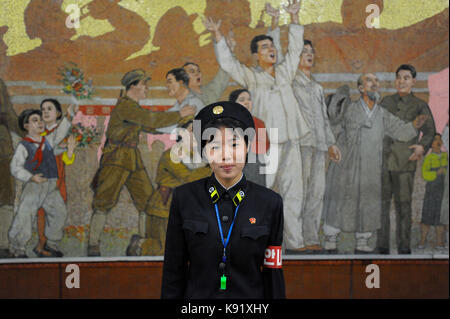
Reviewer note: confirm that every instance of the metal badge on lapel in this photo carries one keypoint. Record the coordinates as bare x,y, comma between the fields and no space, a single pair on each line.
252,220
214,194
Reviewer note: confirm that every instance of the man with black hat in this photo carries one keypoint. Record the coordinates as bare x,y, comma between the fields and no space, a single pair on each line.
121,162
224,233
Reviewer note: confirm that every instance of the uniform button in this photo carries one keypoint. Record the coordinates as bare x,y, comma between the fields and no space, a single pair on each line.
226,196
224,219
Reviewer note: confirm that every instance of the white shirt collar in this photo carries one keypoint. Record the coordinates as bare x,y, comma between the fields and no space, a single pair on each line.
51,127
36,140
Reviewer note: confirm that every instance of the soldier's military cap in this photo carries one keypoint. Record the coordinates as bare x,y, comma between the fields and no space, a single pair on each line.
225,109
134,75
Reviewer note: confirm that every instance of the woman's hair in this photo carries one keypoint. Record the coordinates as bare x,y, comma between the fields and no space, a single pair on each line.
180,75
56,104
235,94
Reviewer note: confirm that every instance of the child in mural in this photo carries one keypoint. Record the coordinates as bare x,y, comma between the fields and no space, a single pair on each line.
176,167
34,164
260,144
353,187
270,85
177,83
8,126
51,114
314,152
121,163
434,170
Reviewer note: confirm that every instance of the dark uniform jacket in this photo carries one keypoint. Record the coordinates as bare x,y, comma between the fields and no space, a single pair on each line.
407,108
194,248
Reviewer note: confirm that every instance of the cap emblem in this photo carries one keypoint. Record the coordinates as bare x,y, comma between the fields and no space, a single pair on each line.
218,109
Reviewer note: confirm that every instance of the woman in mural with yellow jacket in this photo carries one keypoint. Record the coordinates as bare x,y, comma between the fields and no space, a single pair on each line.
433,171
175,168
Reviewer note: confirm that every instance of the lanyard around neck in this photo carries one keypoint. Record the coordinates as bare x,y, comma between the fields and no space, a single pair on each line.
225,240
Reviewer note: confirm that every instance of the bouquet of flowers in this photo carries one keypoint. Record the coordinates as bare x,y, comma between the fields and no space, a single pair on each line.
85,135
74,83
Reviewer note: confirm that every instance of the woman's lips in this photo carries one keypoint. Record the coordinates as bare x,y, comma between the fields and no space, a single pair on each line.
227,168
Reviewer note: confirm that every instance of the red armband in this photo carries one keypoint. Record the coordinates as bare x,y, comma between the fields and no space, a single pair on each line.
272,257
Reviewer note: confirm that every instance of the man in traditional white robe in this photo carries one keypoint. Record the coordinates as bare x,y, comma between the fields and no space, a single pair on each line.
353,189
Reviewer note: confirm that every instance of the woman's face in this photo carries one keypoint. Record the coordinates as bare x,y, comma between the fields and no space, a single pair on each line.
173,86
245,100
49,113
226,154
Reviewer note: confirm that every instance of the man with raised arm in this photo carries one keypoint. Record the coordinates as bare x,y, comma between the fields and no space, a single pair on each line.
270,85
311,99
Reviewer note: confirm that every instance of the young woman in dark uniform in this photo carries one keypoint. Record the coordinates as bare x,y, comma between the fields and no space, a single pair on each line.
224,233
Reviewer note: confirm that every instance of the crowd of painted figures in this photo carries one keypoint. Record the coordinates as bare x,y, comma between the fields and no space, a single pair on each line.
337,163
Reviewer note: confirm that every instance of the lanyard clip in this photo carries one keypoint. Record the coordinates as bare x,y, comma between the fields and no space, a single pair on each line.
237,199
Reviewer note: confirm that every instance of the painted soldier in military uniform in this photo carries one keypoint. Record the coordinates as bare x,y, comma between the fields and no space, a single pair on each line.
224,233
121,162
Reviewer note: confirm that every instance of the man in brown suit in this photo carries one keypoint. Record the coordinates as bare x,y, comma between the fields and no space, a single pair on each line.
400,160
121,163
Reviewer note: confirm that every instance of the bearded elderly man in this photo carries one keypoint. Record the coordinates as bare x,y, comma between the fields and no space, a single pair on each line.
353,189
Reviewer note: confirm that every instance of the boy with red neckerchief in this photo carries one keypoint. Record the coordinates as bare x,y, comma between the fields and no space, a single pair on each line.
34,164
